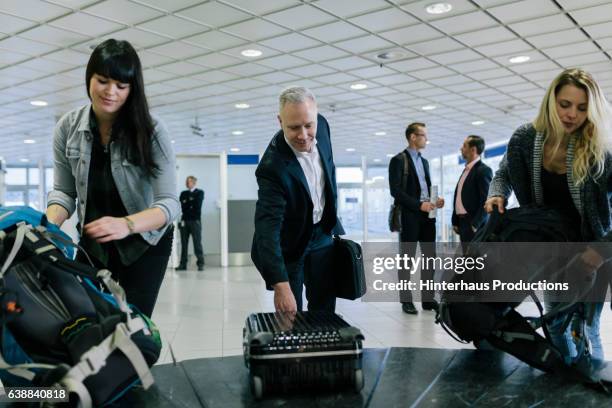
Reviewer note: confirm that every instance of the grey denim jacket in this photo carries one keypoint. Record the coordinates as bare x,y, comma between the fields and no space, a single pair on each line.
72,143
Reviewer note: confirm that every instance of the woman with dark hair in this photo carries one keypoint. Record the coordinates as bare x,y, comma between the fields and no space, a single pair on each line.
562,160
117,162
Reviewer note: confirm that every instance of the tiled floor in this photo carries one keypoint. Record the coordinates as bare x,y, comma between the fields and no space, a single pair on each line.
201,314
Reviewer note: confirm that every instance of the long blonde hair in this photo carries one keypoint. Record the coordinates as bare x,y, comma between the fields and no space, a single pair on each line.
592,139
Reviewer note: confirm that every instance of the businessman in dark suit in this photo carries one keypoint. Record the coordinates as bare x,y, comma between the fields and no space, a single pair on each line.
416,205
296,213
471,191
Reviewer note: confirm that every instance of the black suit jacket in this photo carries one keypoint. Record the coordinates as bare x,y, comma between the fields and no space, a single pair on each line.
474,194
283,213
191,204
410,197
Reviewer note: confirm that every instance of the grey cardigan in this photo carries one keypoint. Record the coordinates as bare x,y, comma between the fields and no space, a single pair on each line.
72,143
520,171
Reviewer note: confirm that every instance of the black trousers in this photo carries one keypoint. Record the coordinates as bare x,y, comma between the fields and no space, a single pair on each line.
193,228
417,228
314,270
466,234
142,279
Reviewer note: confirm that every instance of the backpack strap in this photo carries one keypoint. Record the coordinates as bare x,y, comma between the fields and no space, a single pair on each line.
23,370
405,172
486,233
115,289
94,359
22,229
134,323
406,169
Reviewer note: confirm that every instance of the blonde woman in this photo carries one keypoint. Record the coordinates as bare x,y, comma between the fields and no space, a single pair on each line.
562,161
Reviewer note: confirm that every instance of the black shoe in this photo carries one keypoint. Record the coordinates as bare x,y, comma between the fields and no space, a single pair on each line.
433,305
408,307
180,268
200,267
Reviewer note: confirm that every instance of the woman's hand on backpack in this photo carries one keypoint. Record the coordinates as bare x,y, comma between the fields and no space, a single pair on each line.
581,270
592,258
107,229
494,201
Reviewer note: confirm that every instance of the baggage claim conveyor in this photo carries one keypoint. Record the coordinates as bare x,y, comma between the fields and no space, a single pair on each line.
394,377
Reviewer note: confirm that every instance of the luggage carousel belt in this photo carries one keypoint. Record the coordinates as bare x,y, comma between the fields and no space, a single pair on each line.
395,377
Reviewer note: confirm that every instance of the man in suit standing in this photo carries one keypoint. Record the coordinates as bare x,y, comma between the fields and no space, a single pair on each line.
471,191
296,212
416,206
191,224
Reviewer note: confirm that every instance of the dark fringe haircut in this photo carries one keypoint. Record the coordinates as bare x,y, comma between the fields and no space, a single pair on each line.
133,129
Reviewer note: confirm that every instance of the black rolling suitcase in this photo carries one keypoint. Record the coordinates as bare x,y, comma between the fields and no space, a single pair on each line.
305,351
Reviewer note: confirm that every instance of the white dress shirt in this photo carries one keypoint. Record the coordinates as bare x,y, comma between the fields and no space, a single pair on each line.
312,166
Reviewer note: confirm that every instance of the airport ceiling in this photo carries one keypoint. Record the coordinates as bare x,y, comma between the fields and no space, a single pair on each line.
195,73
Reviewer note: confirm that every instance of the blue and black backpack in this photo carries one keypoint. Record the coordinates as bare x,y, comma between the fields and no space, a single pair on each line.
63,323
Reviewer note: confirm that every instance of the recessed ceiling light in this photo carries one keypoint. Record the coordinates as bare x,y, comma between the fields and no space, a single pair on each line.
237,132
390,155
39,103
438,8
358,87
376,160
173,141
428,142
350,149
390,55
519,59
428,107
380,133
24,160
478,122
234,149
251,53
242,106
29,141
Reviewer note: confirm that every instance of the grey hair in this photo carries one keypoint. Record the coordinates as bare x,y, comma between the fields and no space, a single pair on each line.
295,94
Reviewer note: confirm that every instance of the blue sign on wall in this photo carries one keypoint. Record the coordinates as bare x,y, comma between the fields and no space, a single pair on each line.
242,159
496,151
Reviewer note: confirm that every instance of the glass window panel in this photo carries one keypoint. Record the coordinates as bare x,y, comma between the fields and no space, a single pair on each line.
349,175
14,198
34,175
33,199
16,176
49,179
350,210
379,203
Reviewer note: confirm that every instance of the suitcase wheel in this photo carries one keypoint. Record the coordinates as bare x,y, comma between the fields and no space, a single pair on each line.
358,380
257,386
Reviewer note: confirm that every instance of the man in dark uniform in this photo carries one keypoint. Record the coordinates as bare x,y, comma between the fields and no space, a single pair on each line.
296,212
191,224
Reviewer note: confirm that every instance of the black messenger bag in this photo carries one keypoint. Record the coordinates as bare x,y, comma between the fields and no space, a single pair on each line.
348,269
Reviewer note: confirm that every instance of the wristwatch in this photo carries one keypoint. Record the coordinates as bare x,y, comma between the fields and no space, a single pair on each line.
130,224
